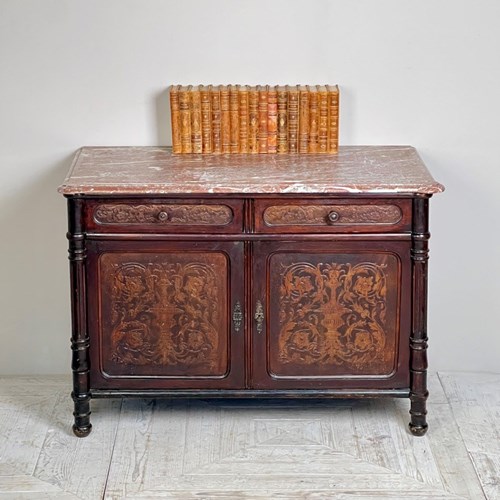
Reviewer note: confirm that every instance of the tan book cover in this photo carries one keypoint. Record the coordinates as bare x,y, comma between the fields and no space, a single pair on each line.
253,120
216,119
234,118
175,117
272,119
323,119
262,134
293,118
243,116
333,118
185,119
303,119
282,139
312,146
225,119
206,120
196,140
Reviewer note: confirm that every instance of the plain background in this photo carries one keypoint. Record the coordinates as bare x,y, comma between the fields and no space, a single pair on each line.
76,73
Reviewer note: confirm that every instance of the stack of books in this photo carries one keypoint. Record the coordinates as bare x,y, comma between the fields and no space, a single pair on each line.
221,119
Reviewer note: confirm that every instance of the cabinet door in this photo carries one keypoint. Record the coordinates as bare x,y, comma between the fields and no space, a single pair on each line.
161,314
331,314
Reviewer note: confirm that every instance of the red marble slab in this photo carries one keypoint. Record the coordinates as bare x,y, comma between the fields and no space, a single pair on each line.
155,170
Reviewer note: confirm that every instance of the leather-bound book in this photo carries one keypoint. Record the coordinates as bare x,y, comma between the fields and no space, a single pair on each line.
333,118
243,116
293,118
225,119
272,119
175,117
303,119
216,120
262,134
206,120
312,146
196,140
323,119
234,118
185,119
282,139
253,120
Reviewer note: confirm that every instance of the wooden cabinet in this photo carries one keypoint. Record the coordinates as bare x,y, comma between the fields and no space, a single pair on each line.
240,276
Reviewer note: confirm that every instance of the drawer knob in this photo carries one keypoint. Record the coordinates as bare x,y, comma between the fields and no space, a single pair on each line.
333,216
163,216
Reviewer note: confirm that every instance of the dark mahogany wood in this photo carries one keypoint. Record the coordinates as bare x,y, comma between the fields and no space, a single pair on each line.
242,276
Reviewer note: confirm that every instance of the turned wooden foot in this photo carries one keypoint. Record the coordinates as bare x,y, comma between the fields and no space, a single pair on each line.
82,425
418,411
82,432
418,430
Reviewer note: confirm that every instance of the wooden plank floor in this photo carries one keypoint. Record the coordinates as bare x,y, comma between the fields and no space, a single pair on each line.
142,449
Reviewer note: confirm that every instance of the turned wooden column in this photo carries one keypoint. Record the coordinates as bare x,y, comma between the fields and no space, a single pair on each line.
418,338
79,335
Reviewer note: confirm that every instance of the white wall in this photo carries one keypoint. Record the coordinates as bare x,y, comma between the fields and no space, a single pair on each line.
77,73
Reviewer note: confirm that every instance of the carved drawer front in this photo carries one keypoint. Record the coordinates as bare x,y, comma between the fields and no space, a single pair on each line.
333,216
157,216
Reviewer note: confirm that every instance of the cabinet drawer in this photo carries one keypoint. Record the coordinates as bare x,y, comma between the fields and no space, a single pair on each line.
338,215
172,216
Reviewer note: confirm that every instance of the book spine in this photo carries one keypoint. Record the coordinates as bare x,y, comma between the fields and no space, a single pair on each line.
234,118
175,117
262,134
225,119
303,119
185,118
243,117
215,117
282,146
196,140
293,119
206,120
323,119
333,118
312,146
272,120
253,120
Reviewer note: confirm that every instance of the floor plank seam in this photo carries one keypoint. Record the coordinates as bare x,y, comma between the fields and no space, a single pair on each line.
104,490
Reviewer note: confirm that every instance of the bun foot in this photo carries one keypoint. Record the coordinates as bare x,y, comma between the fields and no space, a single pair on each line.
82,432
418,430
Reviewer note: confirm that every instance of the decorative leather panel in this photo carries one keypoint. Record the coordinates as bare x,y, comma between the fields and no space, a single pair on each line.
163,214
164,314
333,314
280,215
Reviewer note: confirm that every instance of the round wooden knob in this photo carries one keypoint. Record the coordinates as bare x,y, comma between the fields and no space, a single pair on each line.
163,216
333,216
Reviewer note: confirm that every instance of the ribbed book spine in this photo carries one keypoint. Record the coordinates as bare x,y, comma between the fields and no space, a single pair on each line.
253,120
262,134
234,118
272,119
313,120
293,119
175,116
196,140
243,116
206,120
282,140
323,119
216,120
333,118
303,119
225,119
185,119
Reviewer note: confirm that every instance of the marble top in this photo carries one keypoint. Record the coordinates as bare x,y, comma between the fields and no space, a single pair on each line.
155,170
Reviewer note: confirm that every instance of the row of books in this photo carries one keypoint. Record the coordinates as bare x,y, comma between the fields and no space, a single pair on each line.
224,119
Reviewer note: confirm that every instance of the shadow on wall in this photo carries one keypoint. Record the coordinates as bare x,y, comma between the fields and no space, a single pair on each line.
161,103
35,291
